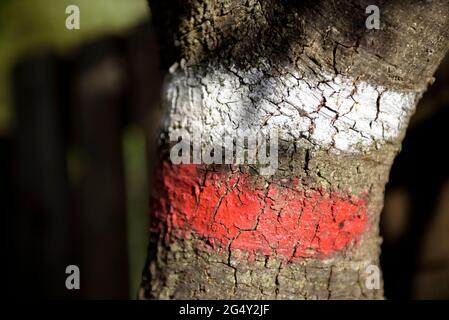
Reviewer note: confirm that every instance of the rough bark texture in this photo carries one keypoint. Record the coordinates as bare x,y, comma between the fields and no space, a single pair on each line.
315,46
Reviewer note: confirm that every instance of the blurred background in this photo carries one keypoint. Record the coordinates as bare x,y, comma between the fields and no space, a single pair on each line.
79,116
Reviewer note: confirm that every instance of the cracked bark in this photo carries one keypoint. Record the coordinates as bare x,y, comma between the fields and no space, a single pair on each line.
263,63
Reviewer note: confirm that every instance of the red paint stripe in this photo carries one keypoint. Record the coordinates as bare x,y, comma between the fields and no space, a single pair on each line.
226,209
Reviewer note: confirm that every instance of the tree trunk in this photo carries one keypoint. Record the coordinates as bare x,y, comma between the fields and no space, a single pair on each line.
332,99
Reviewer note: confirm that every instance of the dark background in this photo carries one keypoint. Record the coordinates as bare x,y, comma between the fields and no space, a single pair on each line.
76,159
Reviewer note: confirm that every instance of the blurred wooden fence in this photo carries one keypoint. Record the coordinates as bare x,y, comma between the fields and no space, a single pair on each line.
66,194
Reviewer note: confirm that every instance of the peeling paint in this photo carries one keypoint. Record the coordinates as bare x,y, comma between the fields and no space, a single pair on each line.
330,112
231,216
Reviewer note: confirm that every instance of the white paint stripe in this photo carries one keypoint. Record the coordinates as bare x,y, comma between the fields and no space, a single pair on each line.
335,113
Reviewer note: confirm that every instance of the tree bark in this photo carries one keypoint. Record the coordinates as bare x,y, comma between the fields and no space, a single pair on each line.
338,96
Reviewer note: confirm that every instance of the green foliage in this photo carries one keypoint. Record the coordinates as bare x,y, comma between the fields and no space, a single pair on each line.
31,26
